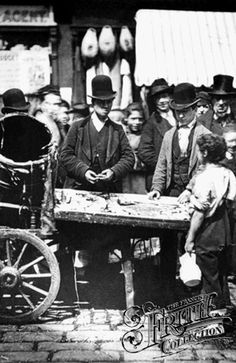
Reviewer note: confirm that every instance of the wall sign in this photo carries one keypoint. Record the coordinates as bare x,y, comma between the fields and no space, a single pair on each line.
26,16
27,70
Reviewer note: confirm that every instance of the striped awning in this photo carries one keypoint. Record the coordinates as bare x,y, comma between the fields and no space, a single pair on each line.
184,46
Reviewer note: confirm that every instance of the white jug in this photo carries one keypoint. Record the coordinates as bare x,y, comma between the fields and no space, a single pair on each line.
190,272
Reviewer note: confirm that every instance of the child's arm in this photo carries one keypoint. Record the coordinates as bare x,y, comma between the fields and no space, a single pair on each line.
195,224
185,195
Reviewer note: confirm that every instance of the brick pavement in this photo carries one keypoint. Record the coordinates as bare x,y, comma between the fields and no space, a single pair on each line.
95,336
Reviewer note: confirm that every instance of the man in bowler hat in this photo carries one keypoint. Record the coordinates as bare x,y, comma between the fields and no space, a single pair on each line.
23,141
160,121
221,94
14,103
177,163
97,155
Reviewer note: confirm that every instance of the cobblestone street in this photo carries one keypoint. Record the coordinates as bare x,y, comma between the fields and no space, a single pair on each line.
94,335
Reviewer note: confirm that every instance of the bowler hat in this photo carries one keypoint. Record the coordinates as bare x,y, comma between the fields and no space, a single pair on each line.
160,86
14,100
102,88
184,96
222,85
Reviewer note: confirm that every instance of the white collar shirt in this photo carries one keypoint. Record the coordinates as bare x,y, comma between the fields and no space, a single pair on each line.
98,124
183,135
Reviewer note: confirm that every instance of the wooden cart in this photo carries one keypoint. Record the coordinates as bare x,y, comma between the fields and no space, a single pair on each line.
29,272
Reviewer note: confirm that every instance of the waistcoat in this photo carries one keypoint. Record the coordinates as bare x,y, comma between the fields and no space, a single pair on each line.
180,176
98,143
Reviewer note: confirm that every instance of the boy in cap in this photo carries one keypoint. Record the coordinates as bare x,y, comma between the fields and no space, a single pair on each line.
161,120
50,101
204,103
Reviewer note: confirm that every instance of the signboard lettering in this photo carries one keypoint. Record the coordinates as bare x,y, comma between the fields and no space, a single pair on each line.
26,15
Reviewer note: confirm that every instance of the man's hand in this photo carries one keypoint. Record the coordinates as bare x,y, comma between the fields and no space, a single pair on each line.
184,196
91,177
154,194
106,175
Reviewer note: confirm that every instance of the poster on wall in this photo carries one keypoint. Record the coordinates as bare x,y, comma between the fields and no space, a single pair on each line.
27,70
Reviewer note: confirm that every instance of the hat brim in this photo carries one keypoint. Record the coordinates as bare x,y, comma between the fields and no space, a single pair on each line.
221,93
203,102
76,108
105,97
16,109
178,107
158,90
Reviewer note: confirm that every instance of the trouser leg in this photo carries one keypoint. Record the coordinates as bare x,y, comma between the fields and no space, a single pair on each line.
68,292
212,265
168,263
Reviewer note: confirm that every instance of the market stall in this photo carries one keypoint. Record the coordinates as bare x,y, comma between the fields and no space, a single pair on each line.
133,213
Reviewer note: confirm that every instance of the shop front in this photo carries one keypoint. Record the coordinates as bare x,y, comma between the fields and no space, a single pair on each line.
103,43
28,48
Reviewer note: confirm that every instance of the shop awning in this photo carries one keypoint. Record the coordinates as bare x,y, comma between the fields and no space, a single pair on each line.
184,46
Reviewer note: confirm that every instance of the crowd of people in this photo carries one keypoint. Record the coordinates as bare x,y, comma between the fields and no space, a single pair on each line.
185,148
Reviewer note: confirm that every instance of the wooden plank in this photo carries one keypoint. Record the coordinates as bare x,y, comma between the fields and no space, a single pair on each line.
122,221
120,209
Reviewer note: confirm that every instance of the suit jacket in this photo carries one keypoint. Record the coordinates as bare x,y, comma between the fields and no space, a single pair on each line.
214,126
163,171
150,144
76,154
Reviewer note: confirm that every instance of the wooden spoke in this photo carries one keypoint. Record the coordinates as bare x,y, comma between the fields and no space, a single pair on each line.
37,273
36,269
35,276
8,253
27,299
16,264
23,268
35,288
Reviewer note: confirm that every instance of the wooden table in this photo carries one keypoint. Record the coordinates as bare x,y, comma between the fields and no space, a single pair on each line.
134,212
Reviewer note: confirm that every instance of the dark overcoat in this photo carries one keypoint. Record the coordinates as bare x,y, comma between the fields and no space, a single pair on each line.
76,155
214,126
150,144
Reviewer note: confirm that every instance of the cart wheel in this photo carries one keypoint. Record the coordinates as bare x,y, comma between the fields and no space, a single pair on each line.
29,276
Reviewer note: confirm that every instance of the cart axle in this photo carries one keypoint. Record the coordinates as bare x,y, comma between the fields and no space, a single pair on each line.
9,277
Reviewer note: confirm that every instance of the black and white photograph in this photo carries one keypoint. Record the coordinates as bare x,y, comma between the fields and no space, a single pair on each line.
117,181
